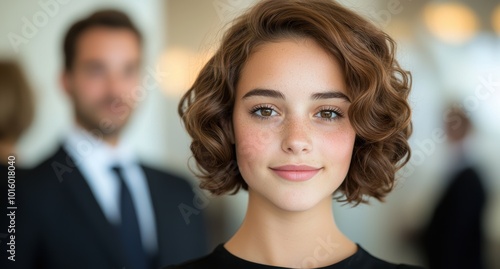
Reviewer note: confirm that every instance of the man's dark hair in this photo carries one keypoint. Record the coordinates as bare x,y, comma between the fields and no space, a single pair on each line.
103,18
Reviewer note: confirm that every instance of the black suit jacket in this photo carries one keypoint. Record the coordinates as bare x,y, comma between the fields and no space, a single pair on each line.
61,225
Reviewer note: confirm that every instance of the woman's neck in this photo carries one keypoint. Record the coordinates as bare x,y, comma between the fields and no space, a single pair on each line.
272,236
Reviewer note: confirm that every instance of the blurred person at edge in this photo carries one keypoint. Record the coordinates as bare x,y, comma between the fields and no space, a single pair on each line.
16,114
454,236
93,204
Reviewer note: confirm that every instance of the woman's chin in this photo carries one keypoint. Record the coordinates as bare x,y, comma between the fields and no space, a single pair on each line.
295,202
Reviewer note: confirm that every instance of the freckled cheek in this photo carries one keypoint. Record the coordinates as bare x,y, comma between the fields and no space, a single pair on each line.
254,144
338,148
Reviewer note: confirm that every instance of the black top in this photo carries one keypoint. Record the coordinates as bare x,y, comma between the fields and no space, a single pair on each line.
221,258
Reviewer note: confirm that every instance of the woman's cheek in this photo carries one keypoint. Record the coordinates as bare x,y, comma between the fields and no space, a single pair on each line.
254,142
339,146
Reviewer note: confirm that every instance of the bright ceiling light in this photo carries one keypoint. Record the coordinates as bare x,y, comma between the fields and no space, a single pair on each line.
181,67
495,19
451,22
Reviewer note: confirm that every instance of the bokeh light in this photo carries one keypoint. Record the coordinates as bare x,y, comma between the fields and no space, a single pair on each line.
451,22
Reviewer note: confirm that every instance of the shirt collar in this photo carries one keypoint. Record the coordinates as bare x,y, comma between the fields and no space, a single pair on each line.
86,147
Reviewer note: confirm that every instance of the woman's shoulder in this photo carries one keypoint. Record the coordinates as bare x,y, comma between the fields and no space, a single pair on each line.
203,262
209,261
363,259
221,258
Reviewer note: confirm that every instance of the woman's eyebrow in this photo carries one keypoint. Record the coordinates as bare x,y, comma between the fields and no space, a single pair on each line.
265,93
280,95
330,95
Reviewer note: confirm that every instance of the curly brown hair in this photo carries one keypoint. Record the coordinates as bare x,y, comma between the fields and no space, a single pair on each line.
376,84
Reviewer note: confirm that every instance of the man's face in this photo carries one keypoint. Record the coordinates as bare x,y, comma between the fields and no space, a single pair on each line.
103,79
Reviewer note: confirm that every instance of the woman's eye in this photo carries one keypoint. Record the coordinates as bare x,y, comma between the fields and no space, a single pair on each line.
265,112
327,114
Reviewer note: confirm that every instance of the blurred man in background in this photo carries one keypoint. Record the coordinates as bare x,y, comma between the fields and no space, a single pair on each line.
454,236
92,204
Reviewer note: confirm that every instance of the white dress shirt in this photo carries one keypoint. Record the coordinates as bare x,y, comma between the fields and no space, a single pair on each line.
95,158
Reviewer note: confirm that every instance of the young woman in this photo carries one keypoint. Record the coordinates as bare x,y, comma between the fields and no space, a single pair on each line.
303,100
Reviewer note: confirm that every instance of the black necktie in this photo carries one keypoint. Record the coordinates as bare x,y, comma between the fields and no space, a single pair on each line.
129,227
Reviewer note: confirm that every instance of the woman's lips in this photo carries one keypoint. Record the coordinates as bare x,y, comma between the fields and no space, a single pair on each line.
295,172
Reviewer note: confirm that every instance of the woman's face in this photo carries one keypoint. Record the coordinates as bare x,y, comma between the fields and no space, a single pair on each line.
292,135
